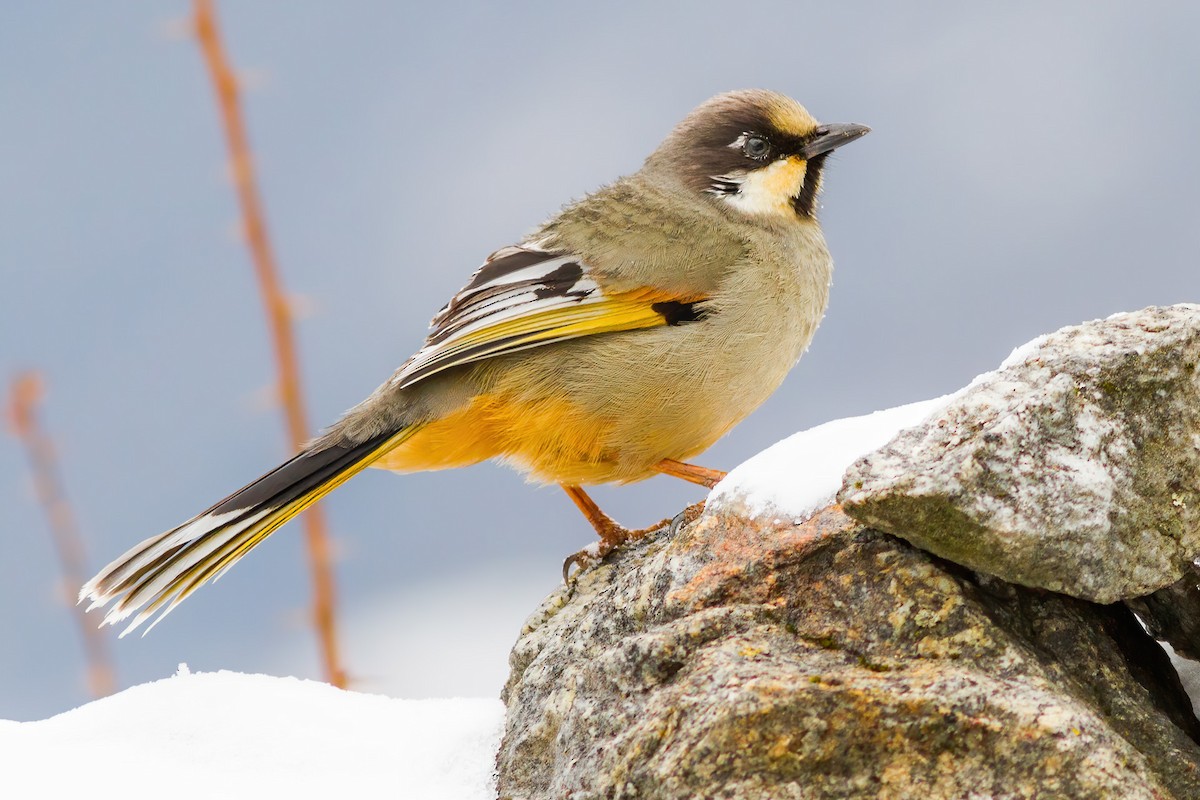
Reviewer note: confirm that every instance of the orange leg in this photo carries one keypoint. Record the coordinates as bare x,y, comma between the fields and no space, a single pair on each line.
690,472
612,533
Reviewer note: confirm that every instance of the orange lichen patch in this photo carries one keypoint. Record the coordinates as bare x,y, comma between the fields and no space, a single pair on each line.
737,546
550,436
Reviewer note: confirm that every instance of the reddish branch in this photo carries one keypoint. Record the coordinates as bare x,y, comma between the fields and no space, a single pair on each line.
279,318
25,395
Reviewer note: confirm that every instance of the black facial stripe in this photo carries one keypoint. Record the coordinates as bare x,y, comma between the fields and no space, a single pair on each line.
677,313
806,203
788,144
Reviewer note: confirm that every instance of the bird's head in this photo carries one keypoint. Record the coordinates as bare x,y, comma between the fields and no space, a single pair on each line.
759,152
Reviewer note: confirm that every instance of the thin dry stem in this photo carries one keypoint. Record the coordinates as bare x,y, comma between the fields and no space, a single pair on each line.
26,393
279,318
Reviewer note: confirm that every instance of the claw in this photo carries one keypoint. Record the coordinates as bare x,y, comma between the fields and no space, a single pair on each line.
594,553
616,536
685,517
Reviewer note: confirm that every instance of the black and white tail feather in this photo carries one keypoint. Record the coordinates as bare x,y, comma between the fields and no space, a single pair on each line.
162,571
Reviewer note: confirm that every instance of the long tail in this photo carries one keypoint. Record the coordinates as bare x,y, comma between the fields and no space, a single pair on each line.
162,571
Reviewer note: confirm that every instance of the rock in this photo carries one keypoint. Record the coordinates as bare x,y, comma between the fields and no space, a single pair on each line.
740,659
1075,467
754,656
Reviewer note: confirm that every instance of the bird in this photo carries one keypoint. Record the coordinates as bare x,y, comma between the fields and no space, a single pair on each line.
615,342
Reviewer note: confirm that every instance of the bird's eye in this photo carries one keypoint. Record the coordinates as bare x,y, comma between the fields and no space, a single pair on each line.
756,147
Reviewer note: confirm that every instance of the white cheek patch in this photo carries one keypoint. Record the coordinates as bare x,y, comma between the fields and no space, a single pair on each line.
771,189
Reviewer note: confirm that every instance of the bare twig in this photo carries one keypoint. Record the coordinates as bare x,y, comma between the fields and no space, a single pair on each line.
278,315
25,394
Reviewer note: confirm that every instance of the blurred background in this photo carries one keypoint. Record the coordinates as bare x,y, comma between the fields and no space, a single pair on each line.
1031,166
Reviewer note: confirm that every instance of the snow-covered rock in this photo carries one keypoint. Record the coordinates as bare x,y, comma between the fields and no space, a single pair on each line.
1075,467
800,475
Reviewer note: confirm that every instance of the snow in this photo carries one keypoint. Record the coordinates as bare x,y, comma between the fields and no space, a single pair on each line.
798,476
230,735
1018,356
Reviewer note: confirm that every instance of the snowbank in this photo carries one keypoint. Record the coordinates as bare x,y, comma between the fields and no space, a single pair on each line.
229,735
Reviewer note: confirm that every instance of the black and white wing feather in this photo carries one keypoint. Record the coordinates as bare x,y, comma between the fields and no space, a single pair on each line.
525,297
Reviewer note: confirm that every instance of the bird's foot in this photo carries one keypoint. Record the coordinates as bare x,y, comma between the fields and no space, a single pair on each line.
612,536
593,554
686,517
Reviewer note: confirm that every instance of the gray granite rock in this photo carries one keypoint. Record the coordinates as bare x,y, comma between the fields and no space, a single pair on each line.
1075,467
826,660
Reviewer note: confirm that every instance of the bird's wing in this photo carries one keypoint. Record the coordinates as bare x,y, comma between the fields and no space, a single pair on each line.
526,297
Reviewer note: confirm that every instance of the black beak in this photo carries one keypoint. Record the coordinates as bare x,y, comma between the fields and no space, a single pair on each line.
828,138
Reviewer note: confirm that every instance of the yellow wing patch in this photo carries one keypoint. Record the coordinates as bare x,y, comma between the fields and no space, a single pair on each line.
605,314
526,297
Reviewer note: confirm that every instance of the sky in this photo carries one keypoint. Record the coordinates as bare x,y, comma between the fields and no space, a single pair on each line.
1030,166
